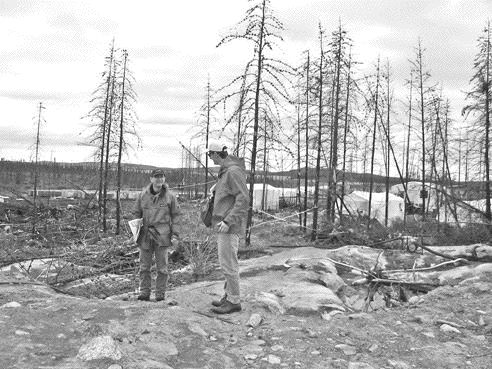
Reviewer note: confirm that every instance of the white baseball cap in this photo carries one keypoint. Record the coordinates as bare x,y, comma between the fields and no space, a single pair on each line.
216,146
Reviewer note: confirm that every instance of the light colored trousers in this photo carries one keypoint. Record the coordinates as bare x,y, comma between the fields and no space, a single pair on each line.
161,260
227,246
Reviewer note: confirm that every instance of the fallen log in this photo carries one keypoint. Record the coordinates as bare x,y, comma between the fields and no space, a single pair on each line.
454,262
414,286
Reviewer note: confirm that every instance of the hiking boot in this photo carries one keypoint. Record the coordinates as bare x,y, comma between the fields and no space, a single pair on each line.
159,298
226,308
143,298
218,303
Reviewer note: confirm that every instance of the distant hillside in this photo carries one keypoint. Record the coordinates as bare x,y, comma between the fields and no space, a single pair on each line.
85,175
52,175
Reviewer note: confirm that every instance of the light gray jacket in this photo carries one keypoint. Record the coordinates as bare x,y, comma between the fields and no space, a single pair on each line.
231,195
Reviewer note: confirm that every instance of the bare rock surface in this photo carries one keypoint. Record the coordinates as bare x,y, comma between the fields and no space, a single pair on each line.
308,320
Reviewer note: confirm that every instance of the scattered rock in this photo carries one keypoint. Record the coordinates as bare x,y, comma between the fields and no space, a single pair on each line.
305,298
250,356
429,334
254,320
172,302
251,348
399,364
310,333
272,359
197,329
277,348
359,365
414,300
278,292
102,347
449,329
452,324
329,316
347,349
12,304
363,316
271,302
416,319
147,342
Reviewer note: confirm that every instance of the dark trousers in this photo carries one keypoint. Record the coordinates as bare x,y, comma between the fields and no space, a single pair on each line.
161,261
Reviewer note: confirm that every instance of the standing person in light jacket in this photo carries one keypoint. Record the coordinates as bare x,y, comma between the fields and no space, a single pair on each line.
159,209
229,220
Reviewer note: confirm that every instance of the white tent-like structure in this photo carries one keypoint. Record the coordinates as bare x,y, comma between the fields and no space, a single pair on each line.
464,213
357,203
413,191
272,196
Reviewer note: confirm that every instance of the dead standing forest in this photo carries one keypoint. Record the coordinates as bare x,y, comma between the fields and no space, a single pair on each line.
312,127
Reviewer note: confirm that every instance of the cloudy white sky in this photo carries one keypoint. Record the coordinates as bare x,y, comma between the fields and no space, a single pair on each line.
53,52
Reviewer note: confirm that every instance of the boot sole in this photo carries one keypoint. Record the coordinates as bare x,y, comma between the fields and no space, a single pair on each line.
234,310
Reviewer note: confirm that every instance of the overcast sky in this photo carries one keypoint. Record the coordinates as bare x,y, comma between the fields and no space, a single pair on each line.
53,52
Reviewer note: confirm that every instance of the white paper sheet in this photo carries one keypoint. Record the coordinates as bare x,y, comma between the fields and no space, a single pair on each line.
135,226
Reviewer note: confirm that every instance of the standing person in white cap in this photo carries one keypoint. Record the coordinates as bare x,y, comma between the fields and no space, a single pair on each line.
229,219
159,209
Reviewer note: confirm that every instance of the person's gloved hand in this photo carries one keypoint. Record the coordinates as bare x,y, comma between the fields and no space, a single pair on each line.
211,192
222,227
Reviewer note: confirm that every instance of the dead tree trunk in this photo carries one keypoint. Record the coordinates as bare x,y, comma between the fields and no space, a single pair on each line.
374,129
407,156
36,170
256,125
108,142
388,137
345,133
314,233
306,173
120,146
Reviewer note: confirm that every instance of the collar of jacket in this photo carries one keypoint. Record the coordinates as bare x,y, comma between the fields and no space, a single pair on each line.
162,192
231,161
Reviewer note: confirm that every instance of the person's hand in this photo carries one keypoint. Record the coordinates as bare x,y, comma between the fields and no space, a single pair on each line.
175,240
222,227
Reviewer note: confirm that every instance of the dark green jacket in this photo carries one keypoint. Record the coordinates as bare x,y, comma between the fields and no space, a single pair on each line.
160,211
